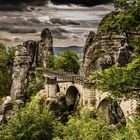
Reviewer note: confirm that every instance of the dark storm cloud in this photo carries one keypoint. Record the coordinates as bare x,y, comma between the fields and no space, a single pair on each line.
81,2
19,4
21,1
10,29
63,21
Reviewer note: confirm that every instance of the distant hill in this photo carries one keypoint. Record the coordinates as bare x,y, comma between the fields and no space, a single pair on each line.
59,50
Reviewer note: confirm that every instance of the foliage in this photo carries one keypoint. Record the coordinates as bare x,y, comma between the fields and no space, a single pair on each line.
51,62
68,62
34,87
36,83
34,122
125,4
118,80
84,127
6,60
130,132
125,21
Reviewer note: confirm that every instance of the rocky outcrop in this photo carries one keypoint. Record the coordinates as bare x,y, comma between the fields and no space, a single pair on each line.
20,73
6,109
111,112
45,48
29,55
103,51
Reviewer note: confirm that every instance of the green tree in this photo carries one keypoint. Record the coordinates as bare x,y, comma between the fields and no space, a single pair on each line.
124,21
6,61
36,83
119,80
51,62
33,88
84,126
34,122
68,61
125,4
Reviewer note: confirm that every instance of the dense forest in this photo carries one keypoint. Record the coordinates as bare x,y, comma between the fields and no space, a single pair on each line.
38,121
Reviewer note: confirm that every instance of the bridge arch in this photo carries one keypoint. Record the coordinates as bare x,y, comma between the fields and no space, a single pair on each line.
58,88
72,98
111,112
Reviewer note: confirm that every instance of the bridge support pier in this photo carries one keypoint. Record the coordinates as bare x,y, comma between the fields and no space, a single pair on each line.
51,87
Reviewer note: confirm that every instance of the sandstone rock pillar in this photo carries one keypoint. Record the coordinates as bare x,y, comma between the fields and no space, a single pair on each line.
45,48
20,71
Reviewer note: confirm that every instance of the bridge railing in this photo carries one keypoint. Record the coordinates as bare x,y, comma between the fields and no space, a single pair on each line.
65,76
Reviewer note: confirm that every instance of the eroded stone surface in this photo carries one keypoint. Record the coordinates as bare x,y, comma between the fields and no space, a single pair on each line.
29,55
101,52
6,109
45,48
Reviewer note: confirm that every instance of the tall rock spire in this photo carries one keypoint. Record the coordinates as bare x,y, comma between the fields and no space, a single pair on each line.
28,56
45,48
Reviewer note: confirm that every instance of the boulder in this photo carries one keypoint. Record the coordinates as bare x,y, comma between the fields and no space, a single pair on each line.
6,109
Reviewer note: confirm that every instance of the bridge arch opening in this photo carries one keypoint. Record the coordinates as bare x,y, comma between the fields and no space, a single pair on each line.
72,98
58,88
111,112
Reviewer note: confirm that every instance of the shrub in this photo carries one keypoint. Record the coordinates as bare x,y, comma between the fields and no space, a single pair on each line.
34,122
6,61
68,61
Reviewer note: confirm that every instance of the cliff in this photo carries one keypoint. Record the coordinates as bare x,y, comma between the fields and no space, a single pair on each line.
101,51
28,56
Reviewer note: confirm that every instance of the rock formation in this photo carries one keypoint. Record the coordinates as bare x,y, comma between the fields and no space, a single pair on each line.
45,48
111,112
6,109
103,51
20,72
28,56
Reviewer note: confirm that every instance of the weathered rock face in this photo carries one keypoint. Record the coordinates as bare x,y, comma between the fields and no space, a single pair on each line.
6,109
101,52
45,48
29,55
20,71
31,47
111,112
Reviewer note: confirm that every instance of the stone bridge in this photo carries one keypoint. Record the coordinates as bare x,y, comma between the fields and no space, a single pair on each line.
79,93
76,89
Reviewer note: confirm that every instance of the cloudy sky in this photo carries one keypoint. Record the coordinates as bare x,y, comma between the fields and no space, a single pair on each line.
82,2
69,24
